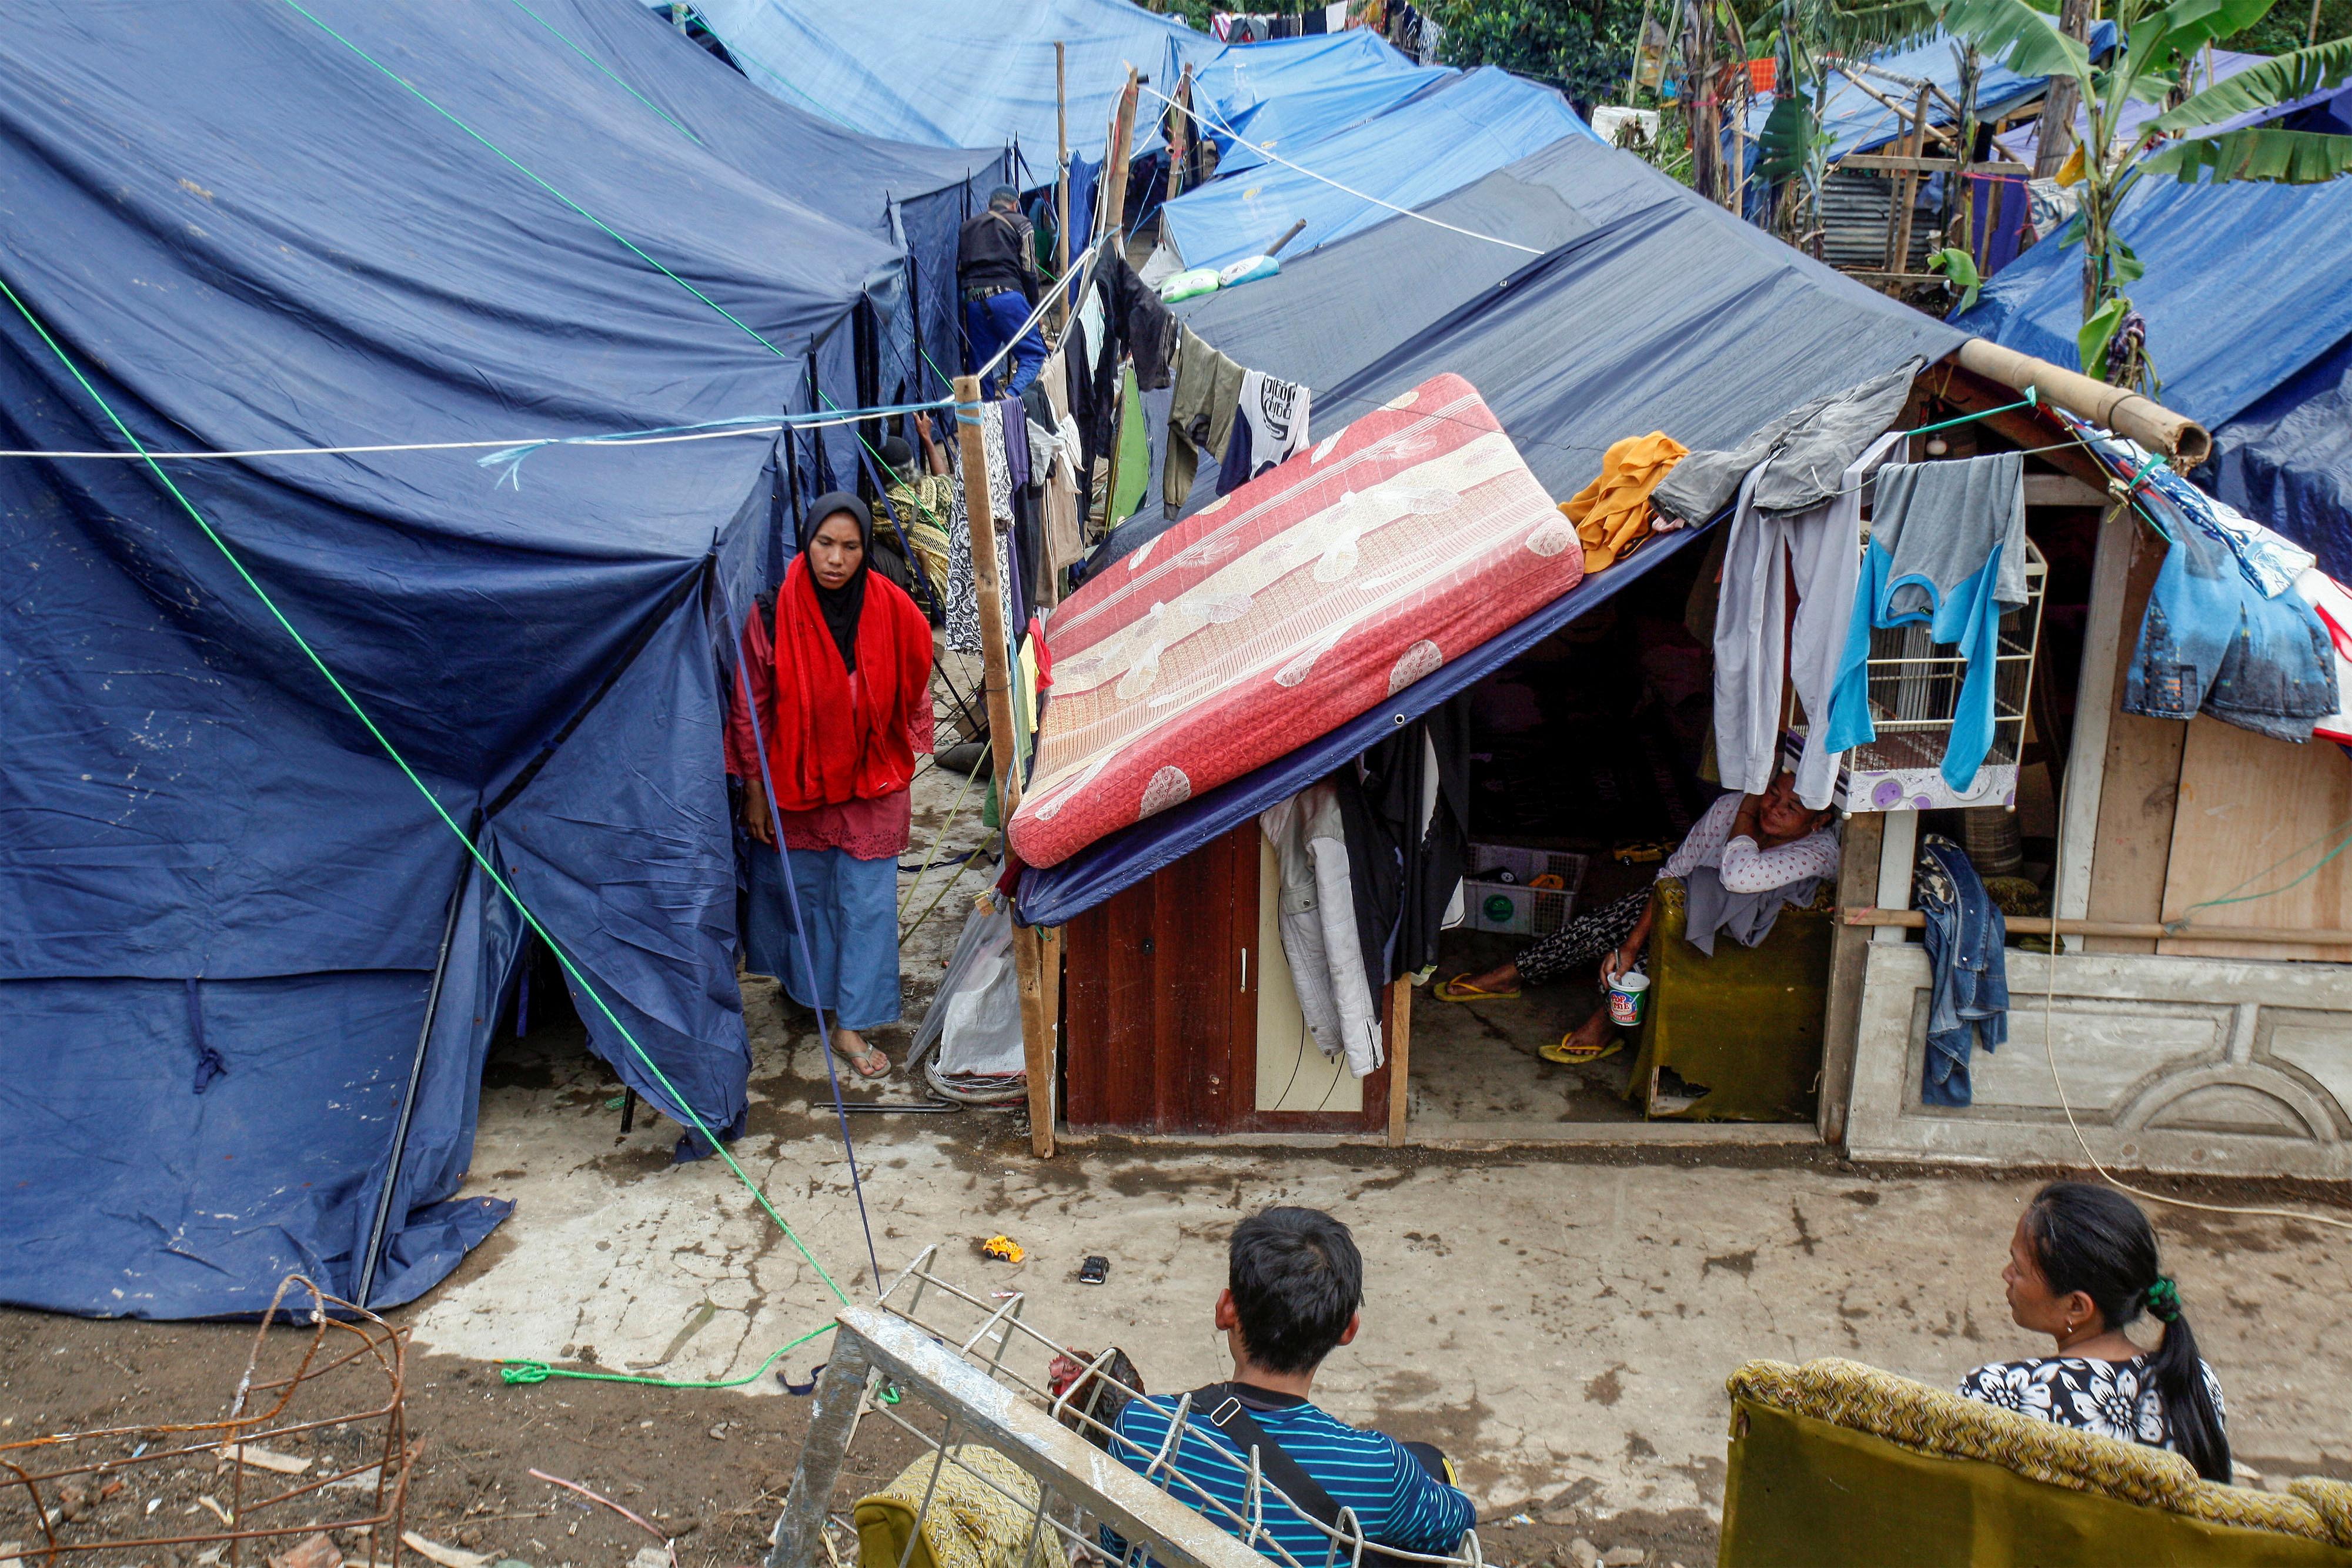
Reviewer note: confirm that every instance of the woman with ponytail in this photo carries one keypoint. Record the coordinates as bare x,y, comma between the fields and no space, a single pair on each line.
2082,1268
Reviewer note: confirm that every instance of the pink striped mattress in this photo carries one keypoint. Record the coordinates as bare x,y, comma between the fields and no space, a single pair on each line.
1286,608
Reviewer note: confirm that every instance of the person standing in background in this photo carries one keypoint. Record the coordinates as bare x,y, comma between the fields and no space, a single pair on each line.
996,268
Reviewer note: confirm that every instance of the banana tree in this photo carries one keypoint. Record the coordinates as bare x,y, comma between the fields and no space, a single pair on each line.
1807,38
2158,43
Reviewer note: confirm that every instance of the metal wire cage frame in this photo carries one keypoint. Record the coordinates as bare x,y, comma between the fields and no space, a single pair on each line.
1913,687
954,1353
344,1392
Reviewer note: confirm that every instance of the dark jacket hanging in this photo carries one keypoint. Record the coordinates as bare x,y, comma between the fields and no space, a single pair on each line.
1405,872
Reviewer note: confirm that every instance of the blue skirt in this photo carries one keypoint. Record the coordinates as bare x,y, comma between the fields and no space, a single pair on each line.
851,911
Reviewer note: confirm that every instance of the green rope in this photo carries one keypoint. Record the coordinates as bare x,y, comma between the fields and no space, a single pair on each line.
599,65
2030,399
534,179
937,840
514,1369
430,799
2310,871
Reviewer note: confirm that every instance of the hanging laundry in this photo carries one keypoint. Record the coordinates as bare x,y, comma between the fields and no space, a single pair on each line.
1967,968
1200,413
1800,454
1755,639
1946,549
1406,806
1614,514
2211,640
1317,919
1271,425
963,595
1142,323
2330,602
2271,564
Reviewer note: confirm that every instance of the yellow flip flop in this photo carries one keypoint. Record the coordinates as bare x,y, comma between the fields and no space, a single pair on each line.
1567,1055
1458,990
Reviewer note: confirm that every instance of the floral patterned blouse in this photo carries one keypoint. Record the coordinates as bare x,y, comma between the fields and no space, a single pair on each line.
2112,1398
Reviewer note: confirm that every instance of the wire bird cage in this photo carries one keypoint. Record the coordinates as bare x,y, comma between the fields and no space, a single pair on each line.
1016,1471
314,1450
1915,688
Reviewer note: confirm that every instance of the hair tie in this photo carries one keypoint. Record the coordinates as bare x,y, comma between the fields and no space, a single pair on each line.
2163,1299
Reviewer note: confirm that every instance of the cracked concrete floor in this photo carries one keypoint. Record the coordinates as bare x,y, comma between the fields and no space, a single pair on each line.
1546,1317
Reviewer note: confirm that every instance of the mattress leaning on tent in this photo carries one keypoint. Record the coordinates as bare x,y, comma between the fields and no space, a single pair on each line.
222,904
1309,594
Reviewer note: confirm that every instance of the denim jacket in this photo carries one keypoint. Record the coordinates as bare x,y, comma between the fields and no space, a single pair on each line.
1968,991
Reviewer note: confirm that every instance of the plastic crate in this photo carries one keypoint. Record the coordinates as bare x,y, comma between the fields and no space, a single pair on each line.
1515,908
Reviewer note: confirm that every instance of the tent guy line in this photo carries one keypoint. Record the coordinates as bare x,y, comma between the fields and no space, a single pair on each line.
1221,126
685,1111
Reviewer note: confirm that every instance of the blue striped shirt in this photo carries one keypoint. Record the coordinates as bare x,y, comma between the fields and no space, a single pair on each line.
1399,1504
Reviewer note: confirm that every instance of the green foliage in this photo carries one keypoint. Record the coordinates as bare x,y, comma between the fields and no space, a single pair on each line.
1961,268
2257,152
2280,80
1791,136
2029,40
2092,340
1584,47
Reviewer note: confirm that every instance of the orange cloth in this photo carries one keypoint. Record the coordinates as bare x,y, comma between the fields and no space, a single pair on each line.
1612,514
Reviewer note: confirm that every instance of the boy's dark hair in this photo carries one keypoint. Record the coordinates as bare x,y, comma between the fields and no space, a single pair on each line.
1297,1279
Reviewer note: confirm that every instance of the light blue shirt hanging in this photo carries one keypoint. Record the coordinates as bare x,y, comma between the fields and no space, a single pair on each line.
1946,549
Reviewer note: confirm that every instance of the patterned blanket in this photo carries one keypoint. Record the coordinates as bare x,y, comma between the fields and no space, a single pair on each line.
1319,588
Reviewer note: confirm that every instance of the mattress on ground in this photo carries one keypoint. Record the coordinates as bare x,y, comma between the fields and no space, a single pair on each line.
1286,608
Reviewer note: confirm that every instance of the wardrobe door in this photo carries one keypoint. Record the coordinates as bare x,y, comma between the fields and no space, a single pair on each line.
1161,1019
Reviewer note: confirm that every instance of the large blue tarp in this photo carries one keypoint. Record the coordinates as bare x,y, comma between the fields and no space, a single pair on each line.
960,73
1289,91
1856,122
222,906
1437,142
2249,325
1652,310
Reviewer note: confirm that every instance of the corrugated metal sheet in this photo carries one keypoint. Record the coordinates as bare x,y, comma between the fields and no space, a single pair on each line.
1853,219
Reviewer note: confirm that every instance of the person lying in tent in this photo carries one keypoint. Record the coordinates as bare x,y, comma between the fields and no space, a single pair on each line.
1747,857
996,267
838,665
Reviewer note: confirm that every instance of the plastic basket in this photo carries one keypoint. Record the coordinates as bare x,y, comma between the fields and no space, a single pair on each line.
1516,908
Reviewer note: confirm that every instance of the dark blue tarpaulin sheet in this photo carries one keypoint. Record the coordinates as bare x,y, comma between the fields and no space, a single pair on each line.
1658,310
2249,325
221,904
960,73
1437,142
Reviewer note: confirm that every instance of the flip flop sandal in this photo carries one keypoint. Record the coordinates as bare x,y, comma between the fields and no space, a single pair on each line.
1457,989
1568,1055
858,1064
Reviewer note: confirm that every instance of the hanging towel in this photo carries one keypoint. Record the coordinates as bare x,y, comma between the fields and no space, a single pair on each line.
1269,425
1317,922
1946,548
1200,413
1612,514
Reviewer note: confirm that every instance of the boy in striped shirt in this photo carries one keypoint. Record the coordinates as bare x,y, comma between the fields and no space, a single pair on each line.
1295,1284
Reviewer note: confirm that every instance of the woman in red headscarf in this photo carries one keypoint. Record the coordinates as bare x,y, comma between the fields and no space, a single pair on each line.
838,663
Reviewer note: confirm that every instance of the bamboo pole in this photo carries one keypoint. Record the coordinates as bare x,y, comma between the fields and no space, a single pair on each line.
1122,136
2142,930
1908,189
1061,183
996,665
2119,409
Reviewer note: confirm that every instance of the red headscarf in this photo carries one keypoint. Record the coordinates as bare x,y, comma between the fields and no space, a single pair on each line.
834,736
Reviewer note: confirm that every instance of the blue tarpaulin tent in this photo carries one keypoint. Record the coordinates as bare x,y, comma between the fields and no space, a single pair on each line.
1855,121
223,908
2259,354
1438,142
1652,310
958,73
1289,91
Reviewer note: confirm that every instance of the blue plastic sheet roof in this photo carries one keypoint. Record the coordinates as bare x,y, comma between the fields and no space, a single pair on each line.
1438,142
1655,309
2248,320
1290,91
1857,123
959,73
221,905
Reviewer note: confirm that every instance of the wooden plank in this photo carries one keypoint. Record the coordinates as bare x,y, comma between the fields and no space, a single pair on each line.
2062,490
2140,786
1858,868
1400,1057
1195,968
1907,190
1891,163
2097,689
2235,940
2256,814
1898,850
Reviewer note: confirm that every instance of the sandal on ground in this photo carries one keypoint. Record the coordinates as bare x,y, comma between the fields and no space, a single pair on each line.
864,1066
1460,989
1569,1054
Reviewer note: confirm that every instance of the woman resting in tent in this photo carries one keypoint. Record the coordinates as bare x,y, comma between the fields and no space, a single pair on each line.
838,662
1748,857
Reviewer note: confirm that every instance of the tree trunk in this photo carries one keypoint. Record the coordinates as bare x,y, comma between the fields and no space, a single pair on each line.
2057,129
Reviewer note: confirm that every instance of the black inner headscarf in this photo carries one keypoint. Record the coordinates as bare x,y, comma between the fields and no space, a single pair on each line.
842,606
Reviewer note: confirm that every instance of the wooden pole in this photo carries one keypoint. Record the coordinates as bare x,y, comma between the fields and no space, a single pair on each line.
1906,188
1122,136
996,665
1179,134
2142,930
1061,183
1400,1056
